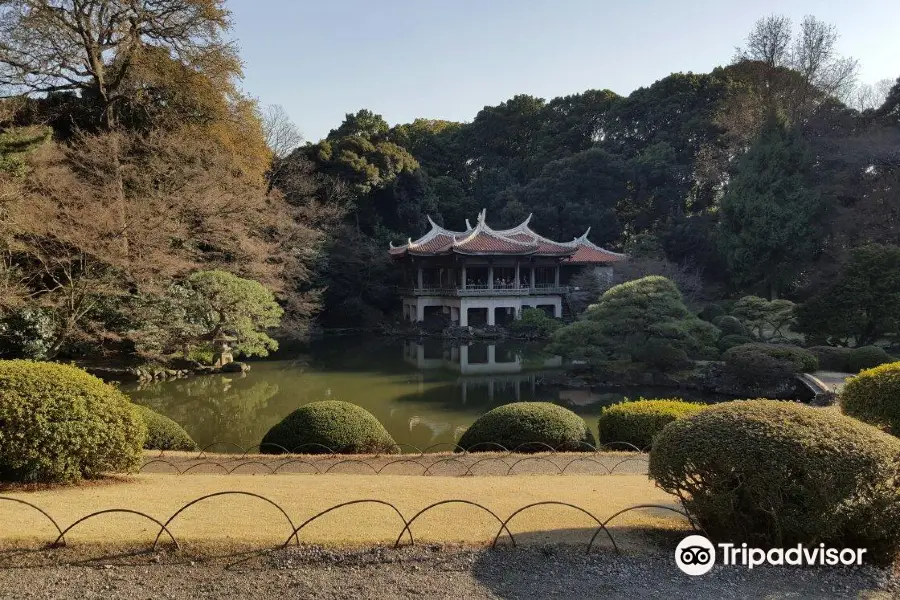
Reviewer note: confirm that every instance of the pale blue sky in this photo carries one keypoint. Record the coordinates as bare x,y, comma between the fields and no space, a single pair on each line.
405,59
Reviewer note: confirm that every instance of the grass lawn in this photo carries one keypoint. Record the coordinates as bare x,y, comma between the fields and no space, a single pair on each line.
236,522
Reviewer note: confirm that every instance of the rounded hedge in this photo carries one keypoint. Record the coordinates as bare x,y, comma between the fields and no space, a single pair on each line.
637,422
873,396
163,433
528,427
767,362
833,358
662,355
730,341
328,425
59,424
775,474
867,357
730,325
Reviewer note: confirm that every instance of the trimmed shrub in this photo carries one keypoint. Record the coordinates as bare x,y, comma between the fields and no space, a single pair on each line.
340,426
867,357
873,396
832,358
767,362
731,326
710,312
163,433
59,424
637,422
662,356
535,322
528,427
775,474
730,341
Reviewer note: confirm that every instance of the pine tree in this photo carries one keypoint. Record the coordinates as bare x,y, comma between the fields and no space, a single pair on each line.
772,216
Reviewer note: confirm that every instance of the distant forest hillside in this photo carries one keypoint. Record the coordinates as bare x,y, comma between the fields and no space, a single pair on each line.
133,168
757,177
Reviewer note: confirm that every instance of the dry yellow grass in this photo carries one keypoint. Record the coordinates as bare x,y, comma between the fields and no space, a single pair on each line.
239,521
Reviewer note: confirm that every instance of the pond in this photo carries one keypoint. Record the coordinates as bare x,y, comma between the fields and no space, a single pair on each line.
424,393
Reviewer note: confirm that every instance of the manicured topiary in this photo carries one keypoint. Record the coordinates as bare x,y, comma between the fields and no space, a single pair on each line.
833,358
730,341
163,433
767,362
775,474
662,356
326,426
528,427
637,422
873,396
730,325
59,424
867,357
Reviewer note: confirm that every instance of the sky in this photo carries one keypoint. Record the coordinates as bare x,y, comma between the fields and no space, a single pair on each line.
404,59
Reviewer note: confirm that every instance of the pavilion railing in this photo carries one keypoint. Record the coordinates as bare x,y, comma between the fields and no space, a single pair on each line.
484,290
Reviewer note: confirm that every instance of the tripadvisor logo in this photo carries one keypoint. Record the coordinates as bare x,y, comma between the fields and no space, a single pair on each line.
696,555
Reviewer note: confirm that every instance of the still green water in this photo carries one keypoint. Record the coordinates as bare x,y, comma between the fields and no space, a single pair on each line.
423,393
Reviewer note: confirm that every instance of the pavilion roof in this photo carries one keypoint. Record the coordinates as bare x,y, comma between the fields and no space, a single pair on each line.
520,240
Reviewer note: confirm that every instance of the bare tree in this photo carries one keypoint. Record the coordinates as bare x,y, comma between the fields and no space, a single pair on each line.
92,46
870,97
800,70
282,135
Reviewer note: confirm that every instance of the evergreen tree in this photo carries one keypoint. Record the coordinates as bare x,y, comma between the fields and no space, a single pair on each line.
772,215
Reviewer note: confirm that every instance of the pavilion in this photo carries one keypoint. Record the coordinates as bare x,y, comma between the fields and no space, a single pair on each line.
485,276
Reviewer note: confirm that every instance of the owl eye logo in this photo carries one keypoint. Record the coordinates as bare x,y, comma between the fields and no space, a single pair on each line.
695,555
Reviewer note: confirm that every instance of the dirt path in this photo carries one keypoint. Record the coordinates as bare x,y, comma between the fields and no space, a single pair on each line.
425,573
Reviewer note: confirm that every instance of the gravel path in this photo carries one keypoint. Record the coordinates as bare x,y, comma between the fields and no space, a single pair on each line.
435,572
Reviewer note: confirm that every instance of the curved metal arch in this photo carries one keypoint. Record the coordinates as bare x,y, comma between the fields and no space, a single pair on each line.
297,529
613,447
259,448
500,459
351,460
497,448
523,459
453,447
602,526
118,510
203,464
443,460
400,460
585,459
213,495
547,447
39,509
408,527
627,459
629,509
589,447
400,447
331,451
208,446
159,460
297,460
250,462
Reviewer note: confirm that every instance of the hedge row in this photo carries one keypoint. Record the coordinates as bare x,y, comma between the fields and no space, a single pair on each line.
775,474
850,360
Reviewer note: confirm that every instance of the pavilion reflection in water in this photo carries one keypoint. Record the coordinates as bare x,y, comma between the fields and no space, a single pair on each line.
498,367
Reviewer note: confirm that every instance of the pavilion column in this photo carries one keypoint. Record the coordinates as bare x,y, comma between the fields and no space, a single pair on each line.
463,284
518,281
419,279
556,276
491,277
531,281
